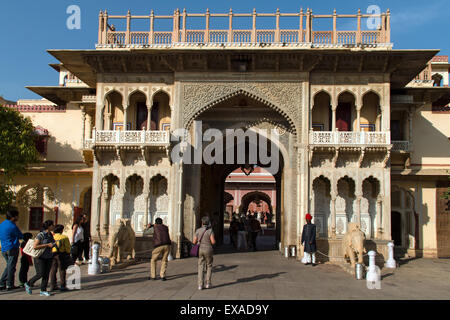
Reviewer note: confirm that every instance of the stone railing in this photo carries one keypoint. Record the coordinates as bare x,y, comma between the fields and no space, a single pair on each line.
401,146
129,137
349,138
301,32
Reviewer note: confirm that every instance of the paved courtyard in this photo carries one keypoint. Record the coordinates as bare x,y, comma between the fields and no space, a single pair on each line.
258,275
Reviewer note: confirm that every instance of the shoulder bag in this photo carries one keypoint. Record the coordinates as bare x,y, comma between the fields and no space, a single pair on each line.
31,251
196,247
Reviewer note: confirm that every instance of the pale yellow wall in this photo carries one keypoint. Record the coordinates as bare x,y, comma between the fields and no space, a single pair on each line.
67,194
428,218
431,132
65,129
424,193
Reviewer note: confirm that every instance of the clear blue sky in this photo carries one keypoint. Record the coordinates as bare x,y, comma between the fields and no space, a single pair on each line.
30,27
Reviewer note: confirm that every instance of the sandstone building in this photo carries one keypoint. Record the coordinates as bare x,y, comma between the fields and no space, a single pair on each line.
362,129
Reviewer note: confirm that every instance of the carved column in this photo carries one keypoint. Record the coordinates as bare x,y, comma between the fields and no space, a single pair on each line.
149,119
358,209
122,204
125,117
105,205
146,191
378,217
89,125
83,125
410,128
358,118
333,119
333,214
108,121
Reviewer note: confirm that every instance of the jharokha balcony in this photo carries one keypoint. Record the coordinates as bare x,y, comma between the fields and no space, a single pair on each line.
307,32
129,137
122,141
348,138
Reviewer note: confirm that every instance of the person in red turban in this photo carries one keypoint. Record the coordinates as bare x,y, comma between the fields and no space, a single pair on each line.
309,241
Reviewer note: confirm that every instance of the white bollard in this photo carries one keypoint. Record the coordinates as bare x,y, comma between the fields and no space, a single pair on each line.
373,276
390,263
293,251
94,267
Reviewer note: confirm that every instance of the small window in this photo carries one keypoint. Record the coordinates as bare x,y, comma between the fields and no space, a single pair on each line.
41,145
36,218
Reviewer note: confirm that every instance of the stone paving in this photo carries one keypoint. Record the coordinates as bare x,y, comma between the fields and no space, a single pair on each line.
265,275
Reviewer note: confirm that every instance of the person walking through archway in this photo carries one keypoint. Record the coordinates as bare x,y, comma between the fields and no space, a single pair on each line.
309,241
255,228
205,237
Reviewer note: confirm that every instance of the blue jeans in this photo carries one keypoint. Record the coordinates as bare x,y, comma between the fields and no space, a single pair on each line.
11,257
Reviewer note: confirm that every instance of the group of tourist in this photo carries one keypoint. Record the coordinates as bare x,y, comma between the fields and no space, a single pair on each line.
244,231
57,253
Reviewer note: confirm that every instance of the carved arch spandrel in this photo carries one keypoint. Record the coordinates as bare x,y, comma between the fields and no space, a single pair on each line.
283,97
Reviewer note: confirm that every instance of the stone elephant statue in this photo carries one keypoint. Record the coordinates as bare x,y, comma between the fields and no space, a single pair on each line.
353,244
122,241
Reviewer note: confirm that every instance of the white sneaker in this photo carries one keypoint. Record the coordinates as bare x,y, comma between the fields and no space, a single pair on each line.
200,288
208,286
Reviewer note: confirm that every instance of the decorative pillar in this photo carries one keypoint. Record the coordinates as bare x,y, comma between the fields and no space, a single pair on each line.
105,205
146,191
378,217
277,26
358,118
254,26
333,118
149,119
230,26
125,117
122,205
410,127
108,121
333,215
334,27
358,32
90,122
358,209
83,125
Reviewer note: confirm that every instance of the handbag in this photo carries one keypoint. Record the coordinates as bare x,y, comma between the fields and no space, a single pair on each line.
31,251
196,247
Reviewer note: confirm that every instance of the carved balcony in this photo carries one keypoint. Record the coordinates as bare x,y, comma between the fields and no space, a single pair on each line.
359,144
122,142
349,138
401,146
139,138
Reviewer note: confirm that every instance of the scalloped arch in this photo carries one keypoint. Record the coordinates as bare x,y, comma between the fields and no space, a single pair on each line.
247,94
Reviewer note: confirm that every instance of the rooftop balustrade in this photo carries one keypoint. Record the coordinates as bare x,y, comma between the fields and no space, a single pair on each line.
180,35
